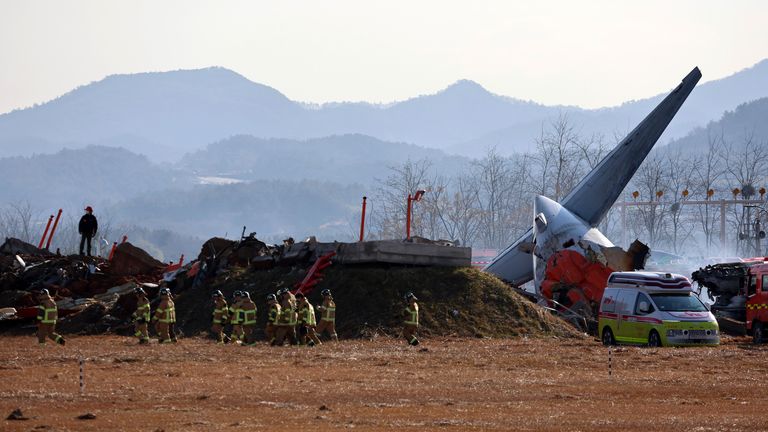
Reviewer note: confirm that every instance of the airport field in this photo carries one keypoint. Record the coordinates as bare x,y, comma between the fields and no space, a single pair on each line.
445,384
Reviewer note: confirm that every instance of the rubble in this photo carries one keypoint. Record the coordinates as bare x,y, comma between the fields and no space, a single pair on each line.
130,260
95,296
14,246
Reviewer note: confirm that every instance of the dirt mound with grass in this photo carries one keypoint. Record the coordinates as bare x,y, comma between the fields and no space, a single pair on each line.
369,300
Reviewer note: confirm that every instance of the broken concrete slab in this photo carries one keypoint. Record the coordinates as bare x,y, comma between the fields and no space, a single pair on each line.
14,246
398,252
130,260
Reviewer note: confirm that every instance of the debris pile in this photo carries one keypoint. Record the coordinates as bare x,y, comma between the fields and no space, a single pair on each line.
96,296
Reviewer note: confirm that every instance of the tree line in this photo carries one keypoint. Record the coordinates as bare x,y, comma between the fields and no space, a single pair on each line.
489,204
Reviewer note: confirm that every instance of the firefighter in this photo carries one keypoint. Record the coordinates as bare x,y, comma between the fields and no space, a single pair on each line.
411,319
165,315
248,308
327,316
286,324
47,314
235,318
272,317
307,322
142,316
220,315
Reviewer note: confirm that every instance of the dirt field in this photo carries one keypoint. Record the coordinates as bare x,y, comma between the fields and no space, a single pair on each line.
446,384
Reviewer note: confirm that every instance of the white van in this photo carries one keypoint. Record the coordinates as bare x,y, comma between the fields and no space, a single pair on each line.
657,309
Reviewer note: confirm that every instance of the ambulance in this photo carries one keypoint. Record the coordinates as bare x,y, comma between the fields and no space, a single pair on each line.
654,309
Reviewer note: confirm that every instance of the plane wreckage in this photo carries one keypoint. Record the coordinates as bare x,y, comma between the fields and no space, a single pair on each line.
569,259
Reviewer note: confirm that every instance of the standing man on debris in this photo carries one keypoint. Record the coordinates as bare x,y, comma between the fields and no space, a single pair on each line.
47,315
220,315
141,317
411,321
87,229
249,318
307,322
272,318
235,317
328,316
165,315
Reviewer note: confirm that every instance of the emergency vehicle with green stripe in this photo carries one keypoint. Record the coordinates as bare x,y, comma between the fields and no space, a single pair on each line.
655,309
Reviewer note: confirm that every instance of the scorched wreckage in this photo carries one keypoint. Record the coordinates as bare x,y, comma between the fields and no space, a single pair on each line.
564,253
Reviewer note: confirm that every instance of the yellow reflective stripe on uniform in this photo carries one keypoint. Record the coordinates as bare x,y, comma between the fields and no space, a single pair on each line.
235,313
413,316
329,314
167,315
249,317
143,311
49,315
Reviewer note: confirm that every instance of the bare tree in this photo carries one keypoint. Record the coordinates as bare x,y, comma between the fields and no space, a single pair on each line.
679,178
559,158
388,215
707,172
495,181
651,178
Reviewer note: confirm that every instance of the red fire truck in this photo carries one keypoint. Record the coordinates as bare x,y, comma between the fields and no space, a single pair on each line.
740,293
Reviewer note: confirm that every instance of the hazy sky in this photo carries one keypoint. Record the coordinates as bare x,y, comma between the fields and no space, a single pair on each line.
588,53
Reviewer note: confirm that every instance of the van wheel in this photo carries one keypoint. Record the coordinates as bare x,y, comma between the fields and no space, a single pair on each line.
654,340
757,332
608,338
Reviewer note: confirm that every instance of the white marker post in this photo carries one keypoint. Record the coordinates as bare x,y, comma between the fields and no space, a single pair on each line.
610,362
82,375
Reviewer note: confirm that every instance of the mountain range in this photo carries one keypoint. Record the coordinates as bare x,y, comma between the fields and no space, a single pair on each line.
166,115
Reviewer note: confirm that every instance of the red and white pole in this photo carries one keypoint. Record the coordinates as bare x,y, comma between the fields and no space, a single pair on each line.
362,221
45,233
112,252
53,230
408,218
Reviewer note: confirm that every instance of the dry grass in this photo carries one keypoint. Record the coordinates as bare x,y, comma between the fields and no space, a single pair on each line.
447,384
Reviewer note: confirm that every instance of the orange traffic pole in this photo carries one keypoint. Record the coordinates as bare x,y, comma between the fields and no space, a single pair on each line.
112,252
362,221
45,233
408,218
181,260
53,230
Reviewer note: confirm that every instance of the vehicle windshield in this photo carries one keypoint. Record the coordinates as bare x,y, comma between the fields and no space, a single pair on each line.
678,303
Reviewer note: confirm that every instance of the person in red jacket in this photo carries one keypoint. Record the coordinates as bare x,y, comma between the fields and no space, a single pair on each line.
87,229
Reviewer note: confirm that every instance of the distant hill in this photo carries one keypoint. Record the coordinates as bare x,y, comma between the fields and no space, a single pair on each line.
272,208
167,114
345,159
747,120
706,103
94,175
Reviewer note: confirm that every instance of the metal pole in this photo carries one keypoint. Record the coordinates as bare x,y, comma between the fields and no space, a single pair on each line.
362,221
624,239
408,218
722,226
125,239
45,233
53,230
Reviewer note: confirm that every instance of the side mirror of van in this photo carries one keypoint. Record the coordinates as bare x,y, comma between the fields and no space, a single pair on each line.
644,307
